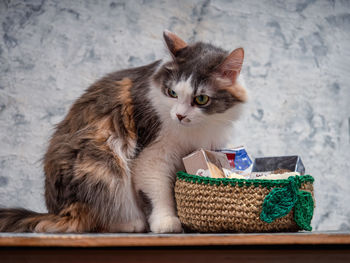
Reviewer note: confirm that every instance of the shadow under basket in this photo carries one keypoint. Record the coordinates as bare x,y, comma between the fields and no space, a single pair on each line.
244,205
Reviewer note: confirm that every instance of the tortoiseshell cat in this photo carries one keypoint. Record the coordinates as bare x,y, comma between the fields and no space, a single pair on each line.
124,138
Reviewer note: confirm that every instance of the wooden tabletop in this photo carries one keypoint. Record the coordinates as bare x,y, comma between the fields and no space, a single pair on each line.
153,240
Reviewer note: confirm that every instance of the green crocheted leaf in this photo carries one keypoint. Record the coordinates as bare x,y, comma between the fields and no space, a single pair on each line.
304,210
279,202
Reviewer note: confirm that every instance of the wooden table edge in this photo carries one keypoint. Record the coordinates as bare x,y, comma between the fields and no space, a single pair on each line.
172,240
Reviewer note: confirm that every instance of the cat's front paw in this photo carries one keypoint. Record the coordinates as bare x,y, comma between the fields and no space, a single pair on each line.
135,226
166,224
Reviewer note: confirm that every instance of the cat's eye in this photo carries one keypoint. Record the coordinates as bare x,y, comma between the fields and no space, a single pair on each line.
172,93
201,100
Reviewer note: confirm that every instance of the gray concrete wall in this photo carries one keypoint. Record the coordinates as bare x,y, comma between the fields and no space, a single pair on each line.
296,68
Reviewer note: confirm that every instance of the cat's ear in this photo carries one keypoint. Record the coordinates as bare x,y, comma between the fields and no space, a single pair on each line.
173,42
228,72
231,67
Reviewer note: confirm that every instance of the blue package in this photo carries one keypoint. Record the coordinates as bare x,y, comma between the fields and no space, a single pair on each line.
242,162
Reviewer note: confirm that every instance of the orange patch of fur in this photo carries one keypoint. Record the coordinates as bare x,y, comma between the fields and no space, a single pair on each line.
103,129
98,171
238,91
74,218
127,108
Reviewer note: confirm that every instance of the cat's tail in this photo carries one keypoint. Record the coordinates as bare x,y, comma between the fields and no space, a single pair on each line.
19,220
22,220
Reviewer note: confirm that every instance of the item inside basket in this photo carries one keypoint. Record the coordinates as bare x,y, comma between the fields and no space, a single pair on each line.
239,160
236,164
207,163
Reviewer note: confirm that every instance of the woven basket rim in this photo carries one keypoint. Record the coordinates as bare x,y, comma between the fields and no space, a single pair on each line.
240,182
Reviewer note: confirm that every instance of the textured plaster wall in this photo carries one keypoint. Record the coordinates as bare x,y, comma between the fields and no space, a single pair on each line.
296,69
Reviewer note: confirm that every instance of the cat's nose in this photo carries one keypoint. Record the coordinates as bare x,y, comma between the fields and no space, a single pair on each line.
180,117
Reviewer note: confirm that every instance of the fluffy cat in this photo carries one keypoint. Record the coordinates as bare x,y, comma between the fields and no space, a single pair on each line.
123,139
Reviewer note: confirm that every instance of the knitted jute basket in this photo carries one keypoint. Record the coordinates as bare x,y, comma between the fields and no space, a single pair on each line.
240,205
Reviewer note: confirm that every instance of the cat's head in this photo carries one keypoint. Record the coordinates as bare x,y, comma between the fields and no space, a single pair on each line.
200,83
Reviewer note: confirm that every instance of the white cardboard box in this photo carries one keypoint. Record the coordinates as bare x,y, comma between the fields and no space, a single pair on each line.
206,163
